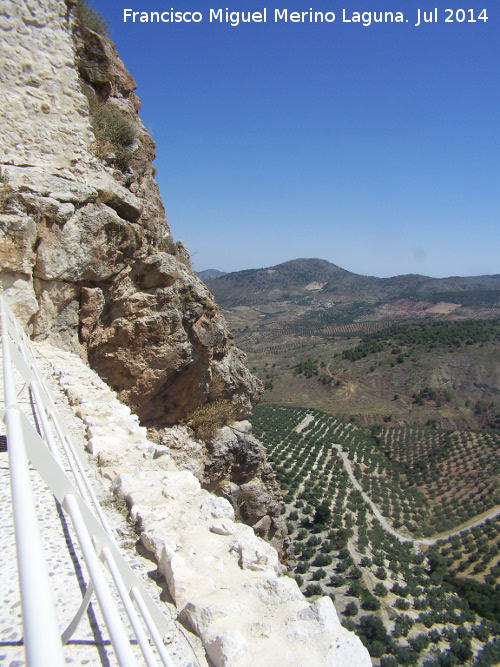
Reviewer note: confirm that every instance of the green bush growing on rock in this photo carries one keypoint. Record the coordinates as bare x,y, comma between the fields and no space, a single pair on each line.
114,135
89,18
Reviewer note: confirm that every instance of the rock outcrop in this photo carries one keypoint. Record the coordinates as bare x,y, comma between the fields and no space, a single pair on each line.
88,261
88,264
84,234
233,465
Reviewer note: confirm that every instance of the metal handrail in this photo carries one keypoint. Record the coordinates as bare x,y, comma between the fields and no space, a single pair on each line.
42,643
93,532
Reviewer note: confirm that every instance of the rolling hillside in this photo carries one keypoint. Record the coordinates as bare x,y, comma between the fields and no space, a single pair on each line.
322,280
345,326
399,527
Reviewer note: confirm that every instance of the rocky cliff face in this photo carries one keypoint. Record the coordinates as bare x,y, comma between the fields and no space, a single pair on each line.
88,261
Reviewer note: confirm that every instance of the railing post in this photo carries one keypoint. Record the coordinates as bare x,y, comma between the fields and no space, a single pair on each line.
42,642
112,619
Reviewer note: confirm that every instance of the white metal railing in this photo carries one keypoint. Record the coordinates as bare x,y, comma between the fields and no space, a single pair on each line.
43,643
41,640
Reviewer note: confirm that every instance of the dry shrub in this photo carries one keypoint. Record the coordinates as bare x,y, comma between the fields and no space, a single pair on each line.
114,134
217,387
209,418
5,190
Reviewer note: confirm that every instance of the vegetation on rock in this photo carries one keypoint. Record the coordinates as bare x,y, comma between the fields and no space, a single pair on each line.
114,134
207,419
5,189
91,19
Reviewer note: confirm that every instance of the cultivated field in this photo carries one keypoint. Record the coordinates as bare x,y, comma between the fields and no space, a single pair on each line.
401,594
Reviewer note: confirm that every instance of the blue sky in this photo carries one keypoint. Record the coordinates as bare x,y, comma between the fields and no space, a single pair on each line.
376,148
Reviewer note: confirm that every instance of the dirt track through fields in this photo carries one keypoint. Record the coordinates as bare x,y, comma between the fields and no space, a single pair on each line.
491,514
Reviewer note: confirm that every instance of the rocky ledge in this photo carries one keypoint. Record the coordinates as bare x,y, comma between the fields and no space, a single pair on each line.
226,582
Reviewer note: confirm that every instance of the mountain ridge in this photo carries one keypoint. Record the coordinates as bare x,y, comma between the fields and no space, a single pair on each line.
296,278
209,274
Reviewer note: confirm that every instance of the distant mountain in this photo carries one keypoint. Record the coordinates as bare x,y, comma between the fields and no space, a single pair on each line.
297,320
210,274
301,279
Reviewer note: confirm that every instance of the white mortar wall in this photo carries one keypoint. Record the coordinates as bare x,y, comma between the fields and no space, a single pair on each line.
44,120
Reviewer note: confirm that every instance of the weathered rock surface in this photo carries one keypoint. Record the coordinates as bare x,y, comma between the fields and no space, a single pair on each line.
226,582
72,218
88,261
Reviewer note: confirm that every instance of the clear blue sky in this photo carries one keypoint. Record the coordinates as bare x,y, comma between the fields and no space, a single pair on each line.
376,148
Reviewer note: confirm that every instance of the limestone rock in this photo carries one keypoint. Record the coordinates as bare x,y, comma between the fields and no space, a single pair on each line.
187,452
89,263
319,617
323,612
236,468
99,65
179,484
94,245
253,553
200,616
275,590
118,198
91,306
104,446
223,528
17,240
184,583
227,648
57,317
20,295
41,184
216,508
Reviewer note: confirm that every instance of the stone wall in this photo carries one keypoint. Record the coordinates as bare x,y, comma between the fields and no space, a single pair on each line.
40,89
45,125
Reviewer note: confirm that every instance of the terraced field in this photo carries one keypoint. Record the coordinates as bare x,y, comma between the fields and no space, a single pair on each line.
455,473
406,603
475,553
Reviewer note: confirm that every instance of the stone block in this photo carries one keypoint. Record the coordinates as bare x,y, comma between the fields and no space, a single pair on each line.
275,590
253,553
184,584
213,507
226,649
200,616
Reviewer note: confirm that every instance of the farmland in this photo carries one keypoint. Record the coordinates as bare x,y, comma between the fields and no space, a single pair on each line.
372,339
432,335
403,592
442,374
381,420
